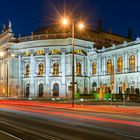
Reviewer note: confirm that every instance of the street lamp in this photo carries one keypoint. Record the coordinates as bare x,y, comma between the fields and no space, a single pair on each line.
66,22
2,56
81,25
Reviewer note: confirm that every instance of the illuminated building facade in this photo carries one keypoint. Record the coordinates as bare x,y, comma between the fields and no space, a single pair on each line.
41,66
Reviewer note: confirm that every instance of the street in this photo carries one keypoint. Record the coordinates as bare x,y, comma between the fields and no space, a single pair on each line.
48,123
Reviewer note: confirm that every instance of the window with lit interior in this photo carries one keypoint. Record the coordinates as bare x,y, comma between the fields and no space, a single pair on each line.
109,65
41,69
27,69
132,63
120,65
94,68
55,69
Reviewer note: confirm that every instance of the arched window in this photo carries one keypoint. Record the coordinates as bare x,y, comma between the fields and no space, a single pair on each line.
94,68
27,69
132,63
41,69
120,65
109,66
55,69
78,68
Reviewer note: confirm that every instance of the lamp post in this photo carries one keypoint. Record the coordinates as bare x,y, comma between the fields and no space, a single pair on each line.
73,68
65,22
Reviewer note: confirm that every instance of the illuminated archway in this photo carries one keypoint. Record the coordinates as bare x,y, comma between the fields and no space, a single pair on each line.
56,90
94,87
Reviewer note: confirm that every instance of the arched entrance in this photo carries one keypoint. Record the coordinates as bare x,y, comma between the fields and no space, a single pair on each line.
27,90
94,87
55,90
41,88
120,89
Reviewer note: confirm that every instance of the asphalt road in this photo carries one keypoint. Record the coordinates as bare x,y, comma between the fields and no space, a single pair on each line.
38,123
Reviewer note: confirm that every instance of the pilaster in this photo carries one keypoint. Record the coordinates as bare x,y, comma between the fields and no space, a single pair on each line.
47,60
63,68
32,70
125,62
138,61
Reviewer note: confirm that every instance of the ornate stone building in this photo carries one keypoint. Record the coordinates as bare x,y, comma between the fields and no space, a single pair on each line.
41,66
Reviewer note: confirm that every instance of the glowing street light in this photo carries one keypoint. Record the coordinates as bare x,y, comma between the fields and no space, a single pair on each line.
65,21
81,26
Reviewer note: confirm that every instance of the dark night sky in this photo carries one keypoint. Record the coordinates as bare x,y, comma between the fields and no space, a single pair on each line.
27,15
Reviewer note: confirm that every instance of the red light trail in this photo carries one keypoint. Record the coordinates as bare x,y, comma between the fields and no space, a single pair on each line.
25,107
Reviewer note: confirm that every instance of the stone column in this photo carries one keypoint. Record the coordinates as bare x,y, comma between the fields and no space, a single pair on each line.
104,66
83,63
88,68
115,71
32,71
48,85
123,62
19,75
138,60
63,69
126,66
19,68
98,70
115,63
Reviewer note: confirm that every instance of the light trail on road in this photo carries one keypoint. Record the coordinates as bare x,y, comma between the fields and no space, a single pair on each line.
120,126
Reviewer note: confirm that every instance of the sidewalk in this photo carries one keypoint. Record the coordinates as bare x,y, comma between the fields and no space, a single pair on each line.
131,110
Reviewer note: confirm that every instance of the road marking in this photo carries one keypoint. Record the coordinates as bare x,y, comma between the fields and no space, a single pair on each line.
127,135
10,135
29,131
